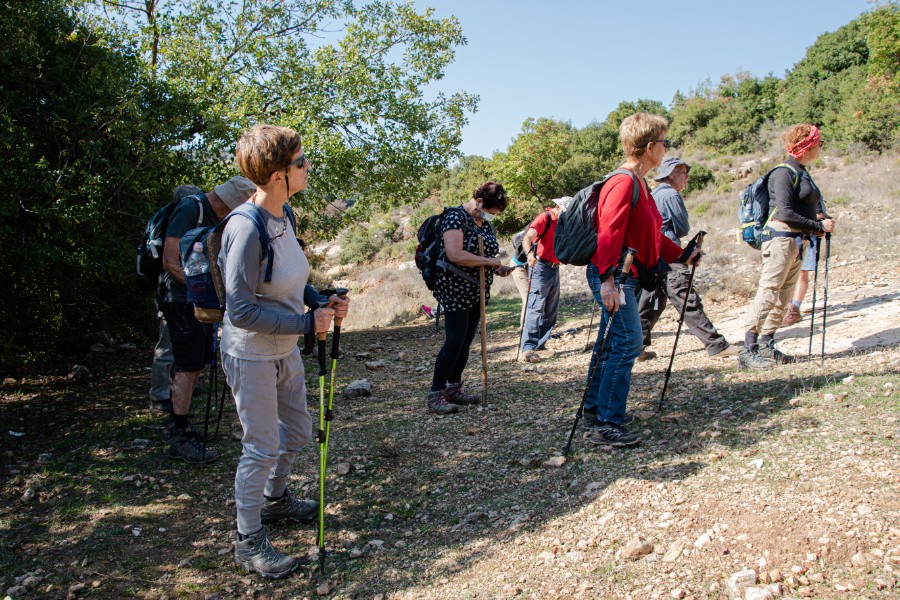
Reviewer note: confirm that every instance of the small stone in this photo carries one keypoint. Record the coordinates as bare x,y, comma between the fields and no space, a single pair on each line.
184,497
139,444
28,496
847,380
323,590
740,581
555,461
342,468
775,575
636,548
863,510
842,585
402,356
184,563
678,593
74,589
9,382
80,373
798,570
758,593
128,346
358,388
830,397
702,541
674,551
858,560
45,457
374,365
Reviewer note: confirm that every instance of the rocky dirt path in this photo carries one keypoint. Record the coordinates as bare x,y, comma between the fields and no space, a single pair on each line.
775,485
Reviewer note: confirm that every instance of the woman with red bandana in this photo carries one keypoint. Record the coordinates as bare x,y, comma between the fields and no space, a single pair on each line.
793,203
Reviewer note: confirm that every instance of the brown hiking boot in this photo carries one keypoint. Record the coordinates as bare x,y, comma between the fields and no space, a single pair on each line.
791,315
646,355
437,403
456,395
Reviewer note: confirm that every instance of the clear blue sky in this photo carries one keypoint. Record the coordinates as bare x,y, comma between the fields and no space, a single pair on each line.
575,60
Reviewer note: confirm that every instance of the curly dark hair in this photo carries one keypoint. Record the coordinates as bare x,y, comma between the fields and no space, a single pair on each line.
491,194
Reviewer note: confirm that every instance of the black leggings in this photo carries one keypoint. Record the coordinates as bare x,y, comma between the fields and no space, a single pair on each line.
459,328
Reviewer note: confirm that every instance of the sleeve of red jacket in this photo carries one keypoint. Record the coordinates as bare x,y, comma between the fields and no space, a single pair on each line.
614,207
669,250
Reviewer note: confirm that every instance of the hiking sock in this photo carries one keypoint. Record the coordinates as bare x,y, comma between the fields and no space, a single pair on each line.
181,421
765,340
750,341
796,303
243,536
274,498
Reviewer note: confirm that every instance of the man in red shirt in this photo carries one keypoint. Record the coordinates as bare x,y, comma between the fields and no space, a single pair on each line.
542,304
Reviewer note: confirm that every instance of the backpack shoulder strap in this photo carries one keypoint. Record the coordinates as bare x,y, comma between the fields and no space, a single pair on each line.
636,187
252,212
289,213
795,174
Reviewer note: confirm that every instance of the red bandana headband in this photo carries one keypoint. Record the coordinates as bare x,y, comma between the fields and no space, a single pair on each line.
803,146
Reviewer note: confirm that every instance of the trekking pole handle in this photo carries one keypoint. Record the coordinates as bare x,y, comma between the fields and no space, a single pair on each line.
627,261
336,336
700,236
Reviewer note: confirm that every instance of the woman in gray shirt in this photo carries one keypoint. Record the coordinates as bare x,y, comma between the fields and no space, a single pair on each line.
264,295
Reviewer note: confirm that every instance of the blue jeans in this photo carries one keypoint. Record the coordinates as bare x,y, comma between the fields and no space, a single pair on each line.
611,381
542,306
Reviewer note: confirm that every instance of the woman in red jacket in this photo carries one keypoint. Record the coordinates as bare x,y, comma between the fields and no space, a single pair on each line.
622,226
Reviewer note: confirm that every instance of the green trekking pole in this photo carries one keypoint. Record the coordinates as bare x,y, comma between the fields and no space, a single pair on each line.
320,338
335,353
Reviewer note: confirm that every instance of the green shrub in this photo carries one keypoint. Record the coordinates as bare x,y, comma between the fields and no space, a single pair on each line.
699,179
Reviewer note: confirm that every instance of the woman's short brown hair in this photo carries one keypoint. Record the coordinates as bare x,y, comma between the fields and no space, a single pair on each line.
640,129
264,149
795,134
491,194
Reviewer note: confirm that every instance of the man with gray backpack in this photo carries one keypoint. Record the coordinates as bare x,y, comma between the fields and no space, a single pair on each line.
191,340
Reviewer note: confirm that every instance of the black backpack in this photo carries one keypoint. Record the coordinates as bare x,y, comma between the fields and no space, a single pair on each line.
575,240
430,257
150,250
518,250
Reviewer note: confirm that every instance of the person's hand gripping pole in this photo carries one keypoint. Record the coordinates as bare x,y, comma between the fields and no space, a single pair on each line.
627,261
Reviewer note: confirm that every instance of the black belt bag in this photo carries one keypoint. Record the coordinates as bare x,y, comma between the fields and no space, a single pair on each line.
653,278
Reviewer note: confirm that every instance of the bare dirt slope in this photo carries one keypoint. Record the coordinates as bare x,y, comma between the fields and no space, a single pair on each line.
791,473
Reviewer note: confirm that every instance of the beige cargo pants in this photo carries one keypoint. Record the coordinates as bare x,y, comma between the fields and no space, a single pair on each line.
782,258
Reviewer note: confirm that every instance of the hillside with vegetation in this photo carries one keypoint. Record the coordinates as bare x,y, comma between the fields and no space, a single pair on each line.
106,106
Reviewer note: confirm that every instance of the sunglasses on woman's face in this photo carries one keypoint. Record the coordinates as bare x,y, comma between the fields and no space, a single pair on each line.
665,143
300,161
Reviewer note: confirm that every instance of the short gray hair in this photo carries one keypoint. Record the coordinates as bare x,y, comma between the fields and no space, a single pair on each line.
183,191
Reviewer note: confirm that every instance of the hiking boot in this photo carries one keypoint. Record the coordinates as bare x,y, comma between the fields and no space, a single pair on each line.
164,405
646,355
767,350
256,554
288,507
610,434
186,444
169,431
749,359
437,403
530,356
791,315
456,395
727,352
591,421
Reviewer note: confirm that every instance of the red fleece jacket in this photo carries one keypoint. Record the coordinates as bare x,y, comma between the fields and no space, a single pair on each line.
620,226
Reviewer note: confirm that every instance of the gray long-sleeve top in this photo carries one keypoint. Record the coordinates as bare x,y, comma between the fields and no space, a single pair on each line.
796,206
673,211
263,321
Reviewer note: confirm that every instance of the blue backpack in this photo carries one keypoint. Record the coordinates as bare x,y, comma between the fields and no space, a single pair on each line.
150,250
754,209
206,291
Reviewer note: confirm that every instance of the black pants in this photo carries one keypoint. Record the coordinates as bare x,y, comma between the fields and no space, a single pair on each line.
460,327
652,304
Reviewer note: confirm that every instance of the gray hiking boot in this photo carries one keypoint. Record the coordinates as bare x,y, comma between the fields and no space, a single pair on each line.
437,403
610,434
767,350
187,445
750,359
456,395
288,507
256,554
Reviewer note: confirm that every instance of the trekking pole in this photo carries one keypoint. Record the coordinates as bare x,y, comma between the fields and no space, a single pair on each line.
335,353
598,348
483,326
525,314
699,244
437,317
812,316
213,382
320,338
825,302
590,325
